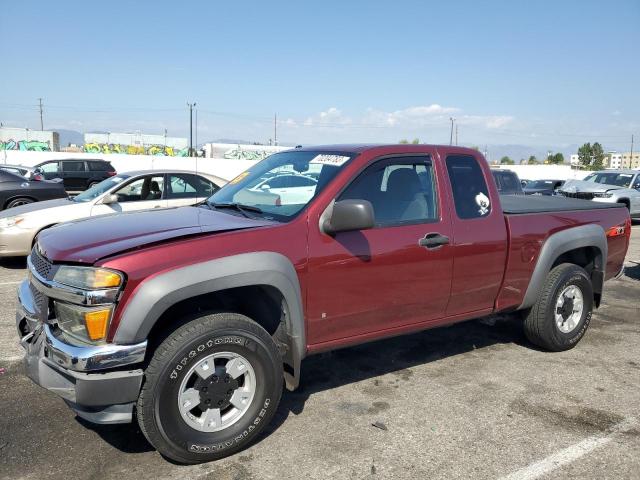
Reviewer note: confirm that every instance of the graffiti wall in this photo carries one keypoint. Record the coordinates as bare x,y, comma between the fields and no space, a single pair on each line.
135,149
25,145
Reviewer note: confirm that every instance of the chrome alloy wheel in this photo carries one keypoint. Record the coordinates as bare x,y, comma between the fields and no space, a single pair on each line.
569,308
216,392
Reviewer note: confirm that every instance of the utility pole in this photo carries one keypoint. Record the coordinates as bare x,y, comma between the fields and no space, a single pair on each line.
451,134
191,105
41,123
456,134
275,129
631,155
196,132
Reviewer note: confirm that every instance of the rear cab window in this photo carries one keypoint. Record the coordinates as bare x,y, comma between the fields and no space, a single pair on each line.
470,191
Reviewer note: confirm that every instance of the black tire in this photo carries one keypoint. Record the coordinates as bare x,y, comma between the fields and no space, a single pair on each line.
16,202
540,325
157,409
92,184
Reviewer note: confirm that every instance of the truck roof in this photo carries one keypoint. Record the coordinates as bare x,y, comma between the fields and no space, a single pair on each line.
362,147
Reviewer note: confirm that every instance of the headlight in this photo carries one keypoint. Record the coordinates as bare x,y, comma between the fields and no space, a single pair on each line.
603,195
88,278
85,324
10,221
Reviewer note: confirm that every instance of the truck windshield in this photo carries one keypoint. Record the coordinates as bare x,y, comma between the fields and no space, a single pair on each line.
99,189
281,185
611,178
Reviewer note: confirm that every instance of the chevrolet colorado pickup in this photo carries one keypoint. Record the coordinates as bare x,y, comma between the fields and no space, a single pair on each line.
191,319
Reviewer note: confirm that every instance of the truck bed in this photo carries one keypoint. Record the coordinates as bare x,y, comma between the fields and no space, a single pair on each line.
522,204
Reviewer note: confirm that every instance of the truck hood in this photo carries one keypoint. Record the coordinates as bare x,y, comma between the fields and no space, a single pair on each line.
87,241
573,186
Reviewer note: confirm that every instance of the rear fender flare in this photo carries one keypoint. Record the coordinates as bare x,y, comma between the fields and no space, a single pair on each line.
562,242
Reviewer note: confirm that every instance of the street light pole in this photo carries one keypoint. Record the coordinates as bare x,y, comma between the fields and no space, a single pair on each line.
451,134
191,105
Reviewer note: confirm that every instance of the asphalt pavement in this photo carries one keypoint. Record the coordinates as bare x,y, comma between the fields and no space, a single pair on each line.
466,401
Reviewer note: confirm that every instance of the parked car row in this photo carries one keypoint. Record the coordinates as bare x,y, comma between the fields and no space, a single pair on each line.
609,186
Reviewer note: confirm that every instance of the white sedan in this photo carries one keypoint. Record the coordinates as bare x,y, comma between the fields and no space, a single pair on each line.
291,188
126,192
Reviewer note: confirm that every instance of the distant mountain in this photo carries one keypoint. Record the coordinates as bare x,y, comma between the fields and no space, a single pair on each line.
69,136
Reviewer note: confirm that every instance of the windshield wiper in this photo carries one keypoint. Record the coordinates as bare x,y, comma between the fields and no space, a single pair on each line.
237,206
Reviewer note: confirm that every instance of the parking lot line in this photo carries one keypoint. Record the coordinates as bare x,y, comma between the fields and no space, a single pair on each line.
10,283
570,454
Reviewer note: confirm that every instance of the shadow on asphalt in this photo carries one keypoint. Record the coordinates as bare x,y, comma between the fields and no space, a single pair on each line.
633,272
354,364
14,263
342,367
127,438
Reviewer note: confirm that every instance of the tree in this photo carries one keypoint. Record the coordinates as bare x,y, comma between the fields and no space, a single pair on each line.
591,157
556,159
415,141
532,160
506,161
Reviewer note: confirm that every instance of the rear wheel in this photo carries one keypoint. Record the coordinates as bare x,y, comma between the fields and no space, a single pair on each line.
561,316
16,202
92,184
210,388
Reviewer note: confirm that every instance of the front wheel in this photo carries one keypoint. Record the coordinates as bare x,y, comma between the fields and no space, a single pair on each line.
19,201
210,388
562,313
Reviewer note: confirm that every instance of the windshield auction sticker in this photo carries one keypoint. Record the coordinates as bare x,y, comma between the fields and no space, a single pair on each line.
335,160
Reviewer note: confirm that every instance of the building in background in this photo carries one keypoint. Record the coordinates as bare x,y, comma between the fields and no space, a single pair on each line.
28,140
234,151
136,144
614,160
629,161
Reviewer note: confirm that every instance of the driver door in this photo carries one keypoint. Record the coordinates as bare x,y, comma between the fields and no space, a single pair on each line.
142,193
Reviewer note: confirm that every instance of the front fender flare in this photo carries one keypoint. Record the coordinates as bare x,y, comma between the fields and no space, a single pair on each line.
154,296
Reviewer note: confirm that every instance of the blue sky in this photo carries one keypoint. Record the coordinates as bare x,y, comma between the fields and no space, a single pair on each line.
510,72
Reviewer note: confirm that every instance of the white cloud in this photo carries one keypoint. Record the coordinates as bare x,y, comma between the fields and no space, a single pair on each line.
330,117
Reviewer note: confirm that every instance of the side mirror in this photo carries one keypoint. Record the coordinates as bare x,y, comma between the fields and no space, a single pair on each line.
265,186
346,216
38,170
109,199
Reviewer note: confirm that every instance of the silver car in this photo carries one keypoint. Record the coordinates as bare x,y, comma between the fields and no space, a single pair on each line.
610,186
125,192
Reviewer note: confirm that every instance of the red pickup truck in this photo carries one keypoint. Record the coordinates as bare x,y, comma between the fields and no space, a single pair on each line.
193,318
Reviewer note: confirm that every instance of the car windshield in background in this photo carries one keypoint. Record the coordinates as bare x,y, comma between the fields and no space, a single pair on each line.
540,184
281,185
611,178
99,189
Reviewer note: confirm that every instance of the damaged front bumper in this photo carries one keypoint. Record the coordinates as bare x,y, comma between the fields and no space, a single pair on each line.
96,381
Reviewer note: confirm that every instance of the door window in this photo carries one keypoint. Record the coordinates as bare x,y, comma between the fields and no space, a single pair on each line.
470,192
142,189
189,186
401,190
51,167
72,167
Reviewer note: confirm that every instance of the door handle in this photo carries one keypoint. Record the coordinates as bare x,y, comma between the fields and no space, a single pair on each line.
433,240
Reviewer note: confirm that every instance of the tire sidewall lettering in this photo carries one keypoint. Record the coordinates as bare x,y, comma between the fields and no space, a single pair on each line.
202,347
195,448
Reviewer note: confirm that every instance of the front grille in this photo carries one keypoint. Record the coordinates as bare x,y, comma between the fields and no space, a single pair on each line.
580,195
41,265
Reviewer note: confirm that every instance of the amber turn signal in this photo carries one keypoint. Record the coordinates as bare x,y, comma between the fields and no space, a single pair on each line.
96,323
